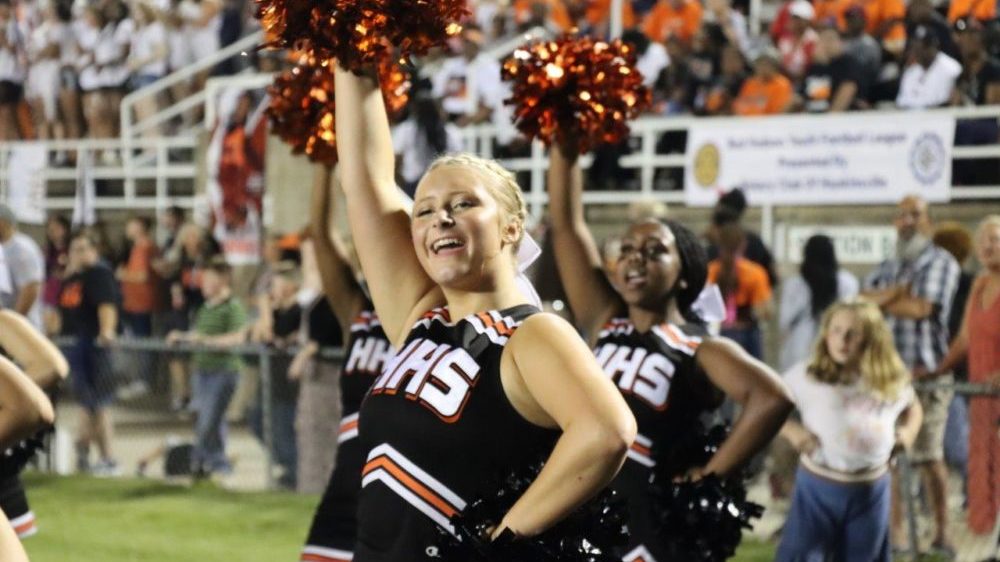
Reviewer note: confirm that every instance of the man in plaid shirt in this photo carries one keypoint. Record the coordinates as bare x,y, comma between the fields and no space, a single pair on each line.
915,291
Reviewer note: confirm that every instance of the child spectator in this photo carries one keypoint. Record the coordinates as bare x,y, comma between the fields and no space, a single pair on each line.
858,409
766,92
220,322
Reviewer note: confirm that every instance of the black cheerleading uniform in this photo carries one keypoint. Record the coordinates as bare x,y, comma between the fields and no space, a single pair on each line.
332,534
437,426
666,391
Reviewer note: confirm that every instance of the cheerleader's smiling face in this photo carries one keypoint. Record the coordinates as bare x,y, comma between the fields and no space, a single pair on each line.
462,236
649,265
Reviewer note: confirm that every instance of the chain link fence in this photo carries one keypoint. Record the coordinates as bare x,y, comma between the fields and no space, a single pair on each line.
153,414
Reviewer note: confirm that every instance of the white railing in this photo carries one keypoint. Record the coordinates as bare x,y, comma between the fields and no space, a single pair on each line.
648,130
132,128
174,159
164,160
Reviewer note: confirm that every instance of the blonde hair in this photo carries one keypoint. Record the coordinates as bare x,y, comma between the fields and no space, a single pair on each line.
991,221
882,370
502,185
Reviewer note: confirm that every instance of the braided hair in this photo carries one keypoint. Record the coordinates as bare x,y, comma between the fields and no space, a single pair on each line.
694,269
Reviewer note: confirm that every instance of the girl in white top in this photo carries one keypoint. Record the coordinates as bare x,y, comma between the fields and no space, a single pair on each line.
147,59
857,409
423,137
12,71
45,56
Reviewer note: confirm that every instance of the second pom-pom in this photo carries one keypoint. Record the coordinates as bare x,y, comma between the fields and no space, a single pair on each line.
576,90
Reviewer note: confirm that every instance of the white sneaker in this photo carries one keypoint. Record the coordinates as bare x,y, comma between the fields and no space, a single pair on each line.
106,468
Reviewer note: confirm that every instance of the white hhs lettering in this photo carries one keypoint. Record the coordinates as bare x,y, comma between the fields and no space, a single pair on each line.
367,356
638,372
440,377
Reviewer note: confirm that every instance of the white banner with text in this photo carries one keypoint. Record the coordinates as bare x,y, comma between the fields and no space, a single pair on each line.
833,160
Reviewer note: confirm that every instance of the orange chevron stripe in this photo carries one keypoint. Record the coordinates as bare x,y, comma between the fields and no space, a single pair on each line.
500,326
412,484
641,450
678,338
321,558
348,426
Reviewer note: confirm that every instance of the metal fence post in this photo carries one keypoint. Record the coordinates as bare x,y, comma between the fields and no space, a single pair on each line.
906,487
266,422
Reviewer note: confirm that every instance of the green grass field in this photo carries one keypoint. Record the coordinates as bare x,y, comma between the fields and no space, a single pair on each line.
122,520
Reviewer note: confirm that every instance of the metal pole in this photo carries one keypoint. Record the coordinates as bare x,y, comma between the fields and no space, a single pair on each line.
615,30
266,422
906,488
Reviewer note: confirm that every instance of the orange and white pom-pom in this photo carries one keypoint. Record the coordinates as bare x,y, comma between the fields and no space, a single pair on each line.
578,91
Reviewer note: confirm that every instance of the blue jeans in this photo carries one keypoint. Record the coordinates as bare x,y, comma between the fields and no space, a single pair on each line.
835,522
750,339
212,393
956,437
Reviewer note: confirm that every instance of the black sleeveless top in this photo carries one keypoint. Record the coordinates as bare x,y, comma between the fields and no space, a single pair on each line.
657,374
435,425
368,349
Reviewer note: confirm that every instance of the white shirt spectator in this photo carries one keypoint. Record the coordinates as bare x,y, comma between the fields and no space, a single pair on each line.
11,66
798,327
856,429
26,265
146,41
43,80
462,86
416,153
921,87
652,63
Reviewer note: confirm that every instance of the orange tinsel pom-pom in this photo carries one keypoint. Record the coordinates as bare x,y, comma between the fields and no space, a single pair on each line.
302,106
359,33
575,90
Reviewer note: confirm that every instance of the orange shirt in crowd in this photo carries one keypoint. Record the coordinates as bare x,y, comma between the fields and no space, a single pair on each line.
140,298
665,21
759,97
878,14
599,12
558,14
752,288
982,10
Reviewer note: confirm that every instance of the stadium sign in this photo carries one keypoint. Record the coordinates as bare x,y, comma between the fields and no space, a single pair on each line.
854,244
820,160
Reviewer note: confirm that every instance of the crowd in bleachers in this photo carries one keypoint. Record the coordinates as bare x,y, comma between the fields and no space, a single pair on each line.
64,65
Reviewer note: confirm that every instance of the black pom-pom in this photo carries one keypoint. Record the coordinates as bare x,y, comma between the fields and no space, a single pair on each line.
15,458
700,521
704,521
596,532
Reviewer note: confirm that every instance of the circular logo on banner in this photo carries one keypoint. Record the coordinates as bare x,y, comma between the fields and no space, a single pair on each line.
706,165
927,158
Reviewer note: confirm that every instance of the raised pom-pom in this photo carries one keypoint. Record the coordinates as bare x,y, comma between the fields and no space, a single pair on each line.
596,532
417,26
704,520
302,110
303,107
576,90
359,33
